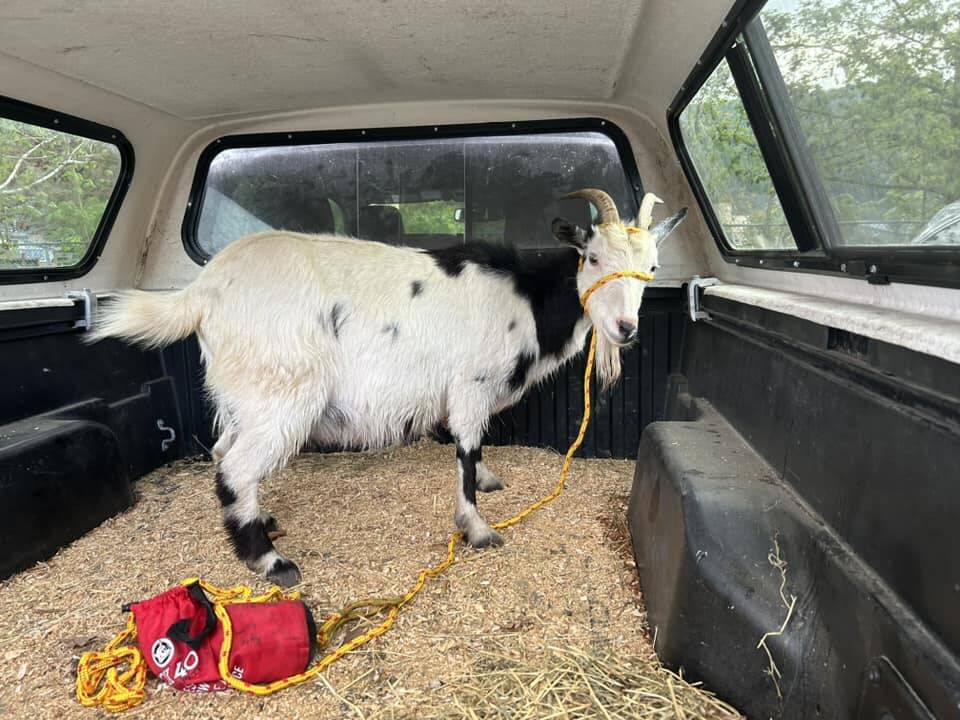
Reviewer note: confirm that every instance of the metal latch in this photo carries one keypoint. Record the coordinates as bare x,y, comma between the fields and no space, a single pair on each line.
89,307
693,297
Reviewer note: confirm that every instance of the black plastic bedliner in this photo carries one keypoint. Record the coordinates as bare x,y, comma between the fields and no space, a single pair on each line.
78,423
707,515
58,479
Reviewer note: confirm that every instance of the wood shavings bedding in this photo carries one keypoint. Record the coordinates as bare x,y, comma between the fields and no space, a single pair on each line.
562,591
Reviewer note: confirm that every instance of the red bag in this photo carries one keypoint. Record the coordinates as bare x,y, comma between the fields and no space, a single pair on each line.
180,637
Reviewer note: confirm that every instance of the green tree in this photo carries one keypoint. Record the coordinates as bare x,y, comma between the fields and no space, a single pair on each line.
875,85
721,142
54,188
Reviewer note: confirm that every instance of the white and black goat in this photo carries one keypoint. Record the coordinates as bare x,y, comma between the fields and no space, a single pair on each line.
355,343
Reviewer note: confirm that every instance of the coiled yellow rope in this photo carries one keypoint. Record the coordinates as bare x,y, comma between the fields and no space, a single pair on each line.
99,682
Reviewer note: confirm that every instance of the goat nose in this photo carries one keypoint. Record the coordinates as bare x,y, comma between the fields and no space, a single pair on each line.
628,328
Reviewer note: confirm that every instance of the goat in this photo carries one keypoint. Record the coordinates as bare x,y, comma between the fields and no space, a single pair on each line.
355,343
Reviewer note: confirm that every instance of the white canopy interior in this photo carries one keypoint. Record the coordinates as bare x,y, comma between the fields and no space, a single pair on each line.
208,60
174,76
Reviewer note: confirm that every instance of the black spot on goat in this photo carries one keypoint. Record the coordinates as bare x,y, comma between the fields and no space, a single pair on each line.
408,430
224,493
336,319
393,329
249,540
548,283
416,287
518,378
468,460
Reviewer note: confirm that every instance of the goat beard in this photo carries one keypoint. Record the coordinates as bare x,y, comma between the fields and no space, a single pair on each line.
607,361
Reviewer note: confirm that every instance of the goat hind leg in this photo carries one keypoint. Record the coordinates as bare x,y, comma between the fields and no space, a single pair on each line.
252,531
223,444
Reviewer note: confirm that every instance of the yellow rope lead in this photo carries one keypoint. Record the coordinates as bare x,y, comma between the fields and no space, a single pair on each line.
99,682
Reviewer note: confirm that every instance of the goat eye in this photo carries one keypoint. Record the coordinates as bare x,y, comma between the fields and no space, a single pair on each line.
592,258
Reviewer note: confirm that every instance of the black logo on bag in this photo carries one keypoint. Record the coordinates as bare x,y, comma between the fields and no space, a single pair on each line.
162,652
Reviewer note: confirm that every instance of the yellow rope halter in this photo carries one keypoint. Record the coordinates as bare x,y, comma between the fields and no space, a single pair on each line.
99,682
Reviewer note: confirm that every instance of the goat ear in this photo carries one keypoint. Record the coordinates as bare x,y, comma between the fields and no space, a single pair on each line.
662,229
569,234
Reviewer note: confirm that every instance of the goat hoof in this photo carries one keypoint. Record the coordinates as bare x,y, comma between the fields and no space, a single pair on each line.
486,538
490,483
274,534
284,573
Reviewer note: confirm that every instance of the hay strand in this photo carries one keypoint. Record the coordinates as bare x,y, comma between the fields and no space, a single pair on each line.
777,561
576,682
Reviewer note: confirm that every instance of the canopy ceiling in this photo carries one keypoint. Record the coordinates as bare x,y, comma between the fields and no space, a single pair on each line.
214,58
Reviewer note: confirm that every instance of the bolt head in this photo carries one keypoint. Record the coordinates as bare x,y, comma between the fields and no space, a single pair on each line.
873,269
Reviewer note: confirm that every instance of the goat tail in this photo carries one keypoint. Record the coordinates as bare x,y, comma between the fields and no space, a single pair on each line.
148,319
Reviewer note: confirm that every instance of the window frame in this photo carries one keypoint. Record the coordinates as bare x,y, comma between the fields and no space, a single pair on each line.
191,219
24,112
804,200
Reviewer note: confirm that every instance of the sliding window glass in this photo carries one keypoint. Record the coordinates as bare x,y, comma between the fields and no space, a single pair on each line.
724,151
875,88
426,193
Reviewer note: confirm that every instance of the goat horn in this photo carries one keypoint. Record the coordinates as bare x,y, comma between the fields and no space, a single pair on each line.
605,204
646,210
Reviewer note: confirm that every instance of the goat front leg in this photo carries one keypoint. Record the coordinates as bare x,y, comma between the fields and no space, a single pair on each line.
467,518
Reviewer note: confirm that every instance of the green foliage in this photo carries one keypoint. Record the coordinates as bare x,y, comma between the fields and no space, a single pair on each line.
435,217
728,160
875,85
54,188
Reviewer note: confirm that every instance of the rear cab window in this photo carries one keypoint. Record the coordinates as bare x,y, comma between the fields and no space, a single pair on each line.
829,133
425,192
61,182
